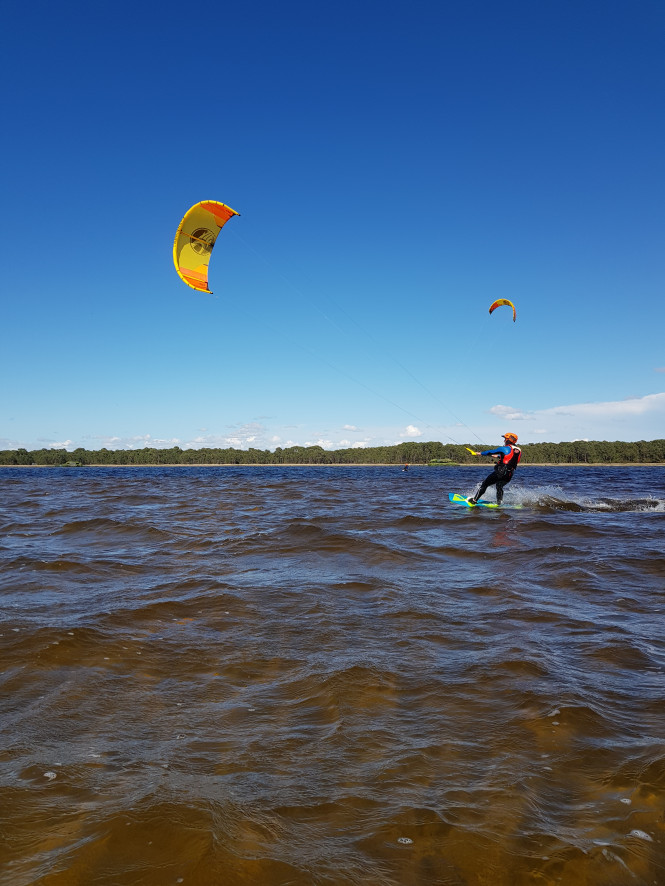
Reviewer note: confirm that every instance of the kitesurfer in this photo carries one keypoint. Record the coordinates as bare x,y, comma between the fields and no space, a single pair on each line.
507,458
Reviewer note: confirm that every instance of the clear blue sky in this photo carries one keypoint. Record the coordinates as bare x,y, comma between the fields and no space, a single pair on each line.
397,167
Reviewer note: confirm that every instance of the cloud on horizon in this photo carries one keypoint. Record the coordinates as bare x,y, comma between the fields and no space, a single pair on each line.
633,418
611,408
593,420
245,436
510,413
411,431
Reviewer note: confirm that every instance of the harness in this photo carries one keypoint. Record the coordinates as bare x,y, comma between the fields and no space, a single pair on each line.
509,461
512,459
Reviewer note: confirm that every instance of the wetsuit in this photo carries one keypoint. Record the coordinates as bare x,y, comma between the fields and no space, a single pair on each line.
503,470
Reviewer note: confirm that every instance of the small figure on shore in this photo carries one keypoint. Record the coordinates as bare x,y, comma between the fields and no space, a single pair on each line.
507,458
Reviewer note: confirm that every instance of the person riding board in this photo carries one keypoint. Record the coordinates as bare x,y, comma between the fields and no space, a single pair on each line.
507,458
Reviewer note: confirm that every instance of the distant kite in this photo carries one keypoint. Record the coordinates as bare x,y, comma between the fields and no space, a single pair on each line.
504,301
195,239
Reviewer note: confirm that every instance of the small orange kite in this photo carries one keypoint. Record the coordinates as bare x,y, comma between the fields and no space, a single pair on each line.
504,301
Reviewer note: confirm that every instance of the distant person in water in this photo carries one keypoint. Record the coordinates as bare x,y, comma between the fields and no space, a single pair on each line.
406,467
507,458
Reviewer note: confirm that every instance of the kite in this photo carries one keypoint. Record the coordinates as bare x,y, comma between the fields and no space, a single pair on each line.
504,301
195,239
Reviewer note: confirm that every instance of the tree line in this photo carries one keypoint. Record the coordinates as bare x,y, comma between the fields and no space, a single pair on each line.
579,451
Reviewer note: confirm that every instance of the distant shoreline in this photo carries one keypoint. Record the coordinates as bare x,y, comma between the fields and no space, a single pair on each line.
399,465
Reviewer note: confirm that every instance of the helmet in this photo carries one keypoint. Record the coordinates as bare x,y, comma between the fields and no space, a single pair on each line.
511,437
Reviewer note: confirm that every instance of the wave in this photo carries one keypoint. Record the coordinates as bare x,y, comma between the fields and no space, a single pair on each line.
554,498
102,526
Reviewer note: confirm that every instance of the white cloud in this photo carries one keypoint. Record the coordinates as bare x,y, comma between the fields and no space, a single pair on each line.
349,428
324,444
411,431
634,418
66,444
358,444
510,413
157,443
241,437
138,441
612,408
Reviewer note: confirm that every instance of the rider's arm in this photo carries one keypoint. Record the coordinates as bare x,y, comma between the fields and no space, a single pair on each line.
498,452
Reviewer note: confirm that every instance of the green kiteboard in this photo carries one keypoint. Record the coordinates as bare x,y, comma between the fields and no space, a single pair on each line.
460,500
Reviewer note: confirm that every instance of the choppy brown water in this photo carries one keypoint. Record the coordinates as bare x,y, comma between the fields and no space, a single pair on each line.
331,676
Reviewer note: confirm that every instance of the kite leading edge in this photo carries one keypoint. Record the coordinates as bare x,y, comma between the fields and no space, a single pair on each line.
195,238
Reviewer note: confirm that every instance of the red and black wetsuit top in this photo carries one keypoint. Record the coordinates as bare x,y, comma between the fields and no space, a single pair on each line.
510,457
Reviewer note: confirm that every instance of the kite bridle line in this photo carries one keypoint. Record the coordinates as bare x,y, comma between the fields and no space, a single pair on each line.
371,338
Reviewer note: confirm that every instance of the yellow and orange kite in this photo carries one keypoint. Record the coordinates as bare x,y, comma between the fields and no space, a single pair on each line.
195,239
504,301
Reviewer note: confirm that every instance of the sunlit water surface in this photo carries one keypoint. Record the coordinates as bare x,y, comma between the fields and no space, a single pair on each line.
331,676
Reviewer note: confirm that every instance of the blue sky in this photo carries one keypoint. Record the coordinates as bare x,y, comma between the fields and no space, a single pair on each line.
397,167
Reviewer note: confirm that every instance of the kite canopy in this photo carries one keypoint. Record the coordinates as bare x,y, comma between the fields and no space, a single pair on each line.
195,239
504,301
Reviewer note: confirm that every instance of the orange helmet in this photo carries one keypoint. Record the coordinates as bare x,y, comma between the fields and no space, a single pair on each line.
511,437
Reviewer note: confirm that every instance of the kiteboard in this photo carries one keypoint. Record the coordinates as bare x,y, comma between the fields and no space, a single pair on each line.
481,503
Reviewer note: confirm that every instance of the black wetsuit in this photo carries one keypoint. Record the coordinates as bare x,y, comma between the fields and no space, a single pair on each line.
503,470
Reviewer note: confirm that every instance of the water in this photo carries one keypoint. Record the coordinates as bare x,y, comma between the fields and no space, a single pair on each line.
265,675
